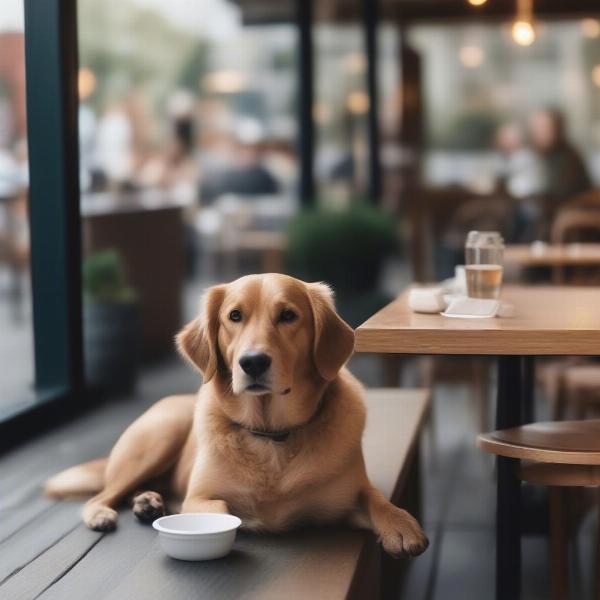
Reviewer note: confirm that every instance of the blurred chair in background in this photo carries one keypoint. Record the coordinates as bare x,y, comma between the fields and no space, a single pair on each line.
482,214
576,226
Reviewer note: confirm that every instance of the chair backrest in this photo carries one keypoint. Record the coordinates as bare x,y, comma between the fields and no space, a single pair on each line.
587,200
576,225
483,214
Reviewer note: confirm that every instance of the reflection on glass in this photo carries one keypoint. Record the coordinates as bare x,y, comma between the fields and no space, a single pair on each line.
340,112
188,134
477,81
16,342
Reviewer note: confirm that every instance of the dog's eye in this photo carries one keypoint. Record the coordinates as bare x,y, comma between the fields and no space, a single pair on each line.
287,315
235,316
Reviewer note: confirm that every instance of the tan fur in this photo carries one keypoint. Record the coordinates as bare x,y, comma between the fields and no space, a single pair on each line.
198,450
80,480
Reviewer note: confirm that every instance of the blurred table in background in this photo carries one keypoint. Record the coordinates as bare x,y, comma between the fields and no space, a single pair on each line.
557,257
147,230
270,246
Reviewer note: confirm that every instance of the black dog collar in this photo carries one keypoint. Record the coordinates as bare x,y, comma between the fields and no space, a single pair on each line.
275,436
281,435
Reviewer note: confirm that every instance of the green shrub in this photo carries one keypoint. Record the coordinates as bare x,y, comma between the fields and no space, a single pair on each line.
346,248
104,278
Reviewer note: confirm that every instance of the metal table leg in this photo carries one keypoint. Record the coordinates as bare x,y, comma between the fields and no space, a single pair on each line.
528,388
508,509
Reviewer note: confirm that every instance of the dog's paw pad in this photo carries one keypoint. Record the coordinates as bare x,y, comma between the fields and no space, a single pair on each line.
406,538
148,506
102,519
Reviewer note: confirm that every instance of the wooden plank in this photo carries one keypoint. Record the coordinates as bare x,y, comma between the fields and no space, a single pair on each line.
394,421
104,565
35,538
261,566
36,576
15,518
548,320
30,524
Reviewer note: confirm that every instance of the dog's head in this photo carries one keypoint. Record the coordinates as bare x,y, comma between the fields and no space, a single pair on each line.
266,334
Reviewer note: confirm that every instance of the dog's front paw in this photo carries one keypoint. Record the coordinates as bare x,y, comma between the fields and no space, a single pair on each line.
403,535
148,506
100,518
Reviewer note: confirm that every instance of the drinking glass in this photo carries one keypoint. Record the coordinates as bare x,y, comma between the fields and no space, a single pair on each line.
483,264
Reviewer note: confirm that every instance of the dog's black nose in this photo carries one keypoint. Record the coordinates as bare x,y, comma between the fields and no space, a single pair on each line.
255,363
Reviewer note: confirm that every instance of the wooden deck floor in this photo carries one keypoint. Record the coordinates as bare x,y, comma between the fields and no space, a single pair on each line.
45,552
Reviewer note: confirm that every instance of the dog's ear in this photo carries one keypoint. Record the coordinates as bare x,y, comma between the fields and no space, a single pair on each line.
197,341
334,338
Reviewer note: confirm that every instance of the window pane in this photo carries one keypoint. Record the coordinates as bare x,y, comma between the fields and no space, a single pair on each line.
188,133
16,339
476,78
341,106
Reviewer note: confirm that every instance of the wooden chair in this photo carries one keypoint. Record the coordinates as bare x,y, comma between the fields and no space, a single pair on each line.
579,389
559,455
576,225
577,385
590,199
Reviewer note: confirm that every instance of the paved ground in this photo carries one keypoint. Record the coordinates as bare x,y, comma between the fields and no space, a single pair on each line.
16,347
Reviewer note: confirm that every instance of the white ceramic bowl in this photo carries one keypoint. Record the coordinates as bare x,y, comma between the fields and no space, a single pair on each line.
197,536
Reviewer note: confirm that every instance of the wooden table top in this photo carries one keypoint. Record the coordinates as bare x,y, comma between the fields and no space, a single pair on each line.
548,320
526,255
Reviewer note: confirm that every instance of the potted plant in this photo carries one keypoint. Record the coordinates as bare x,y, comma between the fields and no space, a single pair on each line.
110,323
346,248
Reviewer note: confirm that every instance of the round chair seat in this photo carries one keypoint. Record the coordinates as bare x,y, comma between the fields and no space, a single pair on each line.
564,442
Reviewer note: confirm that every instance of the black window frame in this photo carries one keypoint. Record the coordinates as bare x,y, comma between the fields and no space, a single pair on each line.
51,66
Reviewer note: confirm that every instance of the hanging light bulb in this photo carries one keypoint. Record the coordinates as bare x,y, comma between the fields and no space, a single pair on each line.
523,32
476,2
590,28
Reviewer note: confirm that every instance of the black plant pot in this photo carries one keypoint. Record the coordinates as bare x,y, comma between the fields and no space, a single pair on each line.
111,337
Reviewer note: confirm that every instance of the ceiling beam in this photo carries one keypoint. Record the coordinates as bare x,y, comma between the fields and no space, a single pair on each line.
415,11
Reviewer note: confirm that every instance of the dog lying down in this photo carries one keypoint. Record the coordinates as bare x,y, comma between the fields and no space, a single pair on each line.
273,436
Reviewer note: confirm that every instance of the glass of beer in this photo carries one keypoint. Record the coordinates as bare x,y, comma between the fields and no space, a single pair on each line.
483,264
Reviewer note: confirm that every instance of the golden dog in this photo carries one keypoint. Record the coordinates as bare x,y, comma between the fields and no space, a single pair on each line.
274,434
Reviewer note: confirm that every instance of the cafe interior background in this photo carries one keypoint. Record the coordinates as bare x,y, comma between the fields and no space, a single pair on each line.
345,141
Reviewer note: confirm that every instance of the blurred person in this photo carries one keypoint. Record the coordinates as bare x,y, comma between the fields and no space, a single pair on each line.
564,173
177,172
176,169
519,176
519,170
280,159
247,173
87,145
114,141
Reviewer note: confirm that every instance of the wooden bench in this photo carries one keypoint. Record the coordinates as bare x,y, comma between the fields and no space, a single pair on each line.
62,559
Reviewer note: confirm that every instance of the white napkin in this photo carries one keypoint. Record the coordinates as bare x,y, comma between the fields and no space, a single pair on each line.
472,308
